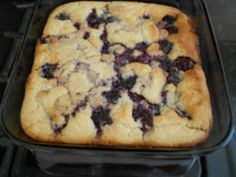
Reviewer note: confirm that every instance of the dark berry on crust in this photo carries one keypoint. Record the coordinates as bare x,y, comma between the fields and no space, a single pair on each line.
77,25
117,83
183,63
167,23
58,128
169,19
146,16
165,45
160,58
126,83
78,107
47,70
103,36
144,58
155,109
166,64
141,46
86,35
171,29
173,76
112,96
105,47
106,43
101,117
125,56
163,97
122,59
129,82
62,16
93,20
144,115
182,113
144,111
135,97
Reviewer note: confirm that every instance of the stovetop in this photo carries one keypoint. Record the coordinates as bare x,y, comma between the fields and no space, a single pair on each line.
19,162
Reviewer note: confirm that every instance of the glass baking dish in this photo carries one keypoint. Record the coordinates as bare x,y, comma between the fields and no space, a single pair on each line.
161,157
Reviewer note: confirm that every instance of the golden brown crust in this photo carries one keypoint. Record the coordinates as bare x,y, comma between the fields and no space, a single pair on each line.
71,72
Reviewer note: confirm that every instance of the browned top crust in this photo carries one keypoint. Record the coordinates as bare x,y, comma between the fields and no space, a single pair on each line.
117,73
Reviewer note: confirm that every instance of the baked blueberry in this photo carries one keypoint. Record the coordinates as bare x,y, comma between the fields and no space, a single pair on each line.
165,45
103,36
166,64
58,128
86,35
141,46
129,82
101,117
147,123
135,97
169,19
93,20
112,96
106,43
144,111
144,58
47,70
117,83
144,115
146,16
126,83
171,29
62,16
183,63
77,25
163,96
78,107
124,58
105,47
155,109
173,76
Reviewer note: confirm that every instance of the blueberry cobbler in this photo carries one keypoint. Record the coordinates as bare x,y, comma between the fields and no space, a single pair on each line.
120,74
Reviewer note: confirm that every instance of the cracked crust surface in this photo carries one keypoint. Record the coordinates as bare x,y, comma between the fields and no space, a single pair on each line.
117,73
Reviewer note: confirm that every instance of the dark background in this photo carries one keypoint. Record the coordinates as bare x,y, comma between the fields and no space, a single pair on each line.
223,13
